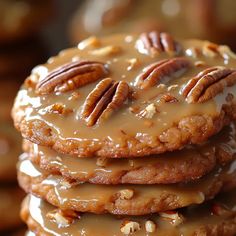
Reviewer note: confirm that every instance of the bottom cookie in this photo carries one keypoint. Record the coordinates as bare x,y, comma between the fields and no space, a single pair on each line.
215,218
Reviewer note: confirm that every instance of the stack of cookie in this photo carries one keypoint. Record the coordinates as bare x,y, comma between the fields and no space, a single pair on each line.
130,135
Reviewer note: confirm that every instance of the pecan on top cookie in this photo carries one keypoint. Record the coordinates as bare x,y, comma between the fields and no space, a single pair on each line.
129,95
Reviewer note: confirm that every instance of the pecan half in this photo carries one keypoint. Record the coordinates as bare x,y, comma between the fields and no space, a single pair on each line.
154,42
71,76
162,71
106,97
208,83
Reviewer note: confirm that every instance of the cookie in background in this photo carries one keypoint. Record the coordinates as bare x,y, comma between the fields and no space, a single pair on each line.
203,19
20,19
10,145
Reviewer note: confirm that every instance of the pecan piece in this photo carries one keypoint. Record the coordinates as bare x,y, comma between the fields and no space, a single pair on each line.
162,71
154,43
106,97
208,83
168,98
174,217
71,76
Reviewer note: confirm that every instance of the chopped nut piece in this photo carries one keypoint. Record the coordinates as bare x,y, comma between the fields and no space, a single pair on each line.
174,217
58,158
200,63
149,111
59,218
129,227
172,87
126,194
101,161
193,52
150,226
106,51
66,184
134,109
89,42
133,63
74,96
148,123
58,108
226,52
31,81
210,49
167,98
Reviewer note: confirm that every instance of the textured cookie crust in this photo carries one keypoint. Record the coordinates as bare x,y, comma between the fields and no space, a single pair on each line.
199,226
121,96
123,199
186,165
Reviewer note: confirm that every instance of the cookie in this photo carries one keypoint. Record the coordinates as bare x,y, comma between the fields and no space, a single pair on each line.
215,218
10,148
20,19
188,164
122,199
10,202
212,20
120,95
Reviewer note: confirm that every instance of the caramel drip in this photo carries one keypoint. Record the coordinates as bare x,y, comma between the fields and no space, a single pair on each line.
120,123
189,193
86,168
91,225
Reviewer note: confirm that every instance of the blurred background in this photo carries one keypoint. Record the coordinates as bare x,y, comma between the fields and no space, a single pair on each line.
33,30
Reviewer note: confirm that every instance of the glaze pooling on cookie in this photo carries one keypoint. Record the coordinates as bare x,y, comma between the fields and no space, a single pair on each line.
126,132
198,220
186,165
146,199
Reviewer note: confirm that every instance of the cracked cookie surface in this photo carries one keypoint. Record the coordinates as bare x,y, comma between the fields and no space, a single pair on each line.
164,95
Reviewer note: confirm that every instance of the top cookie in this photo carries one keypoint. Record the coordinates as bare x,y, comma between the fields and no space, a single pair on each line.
129,95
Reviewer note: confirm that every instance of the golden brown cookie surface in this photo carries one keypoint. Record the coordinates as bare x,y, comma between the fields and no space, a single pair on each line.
181,166
198,220
128,95
122,199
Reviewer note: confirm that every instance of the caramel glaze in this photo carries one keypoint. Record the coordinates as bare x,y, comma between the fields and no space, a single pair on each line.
188,164
198,219
124,125
106,198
